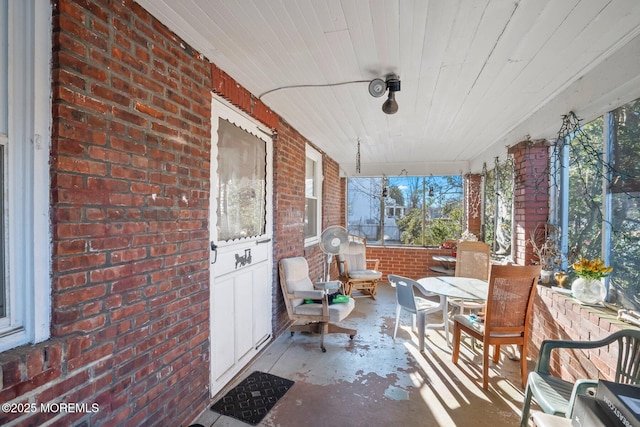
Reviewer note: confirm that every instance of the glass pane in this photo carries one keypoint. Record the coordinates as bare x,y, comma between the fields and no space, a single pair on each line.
443,207
585,192
242,183
625,201
309,182
489,206
419,210
498,207
363,206
310,220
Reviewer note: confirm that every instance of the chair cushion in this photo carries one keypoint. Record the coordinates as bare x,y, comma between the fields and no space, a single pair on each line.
467,321
479,326
337,312
355,255
296,275
365,274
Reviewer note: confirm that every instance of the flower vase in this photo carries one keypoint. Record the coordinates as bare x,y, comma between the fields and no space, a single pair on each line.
588,291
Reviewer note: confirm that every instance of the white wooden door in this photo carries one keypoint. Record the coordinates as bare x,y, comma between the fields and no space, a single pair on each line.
241,249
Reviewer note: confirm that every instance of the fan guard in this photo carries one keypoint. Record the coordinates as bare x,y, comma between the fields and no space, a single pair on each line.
333,239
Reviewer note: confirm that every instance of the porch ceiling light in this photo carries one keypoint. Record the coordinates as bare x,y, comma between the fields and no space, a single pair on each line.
377,88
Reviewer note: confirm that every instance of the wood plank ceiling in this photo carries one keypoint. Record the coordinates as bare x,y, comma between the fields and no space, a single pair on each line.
476,75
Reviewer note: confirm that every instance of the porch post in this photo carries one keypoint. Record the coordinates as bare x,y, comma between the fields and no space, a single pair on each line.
530,194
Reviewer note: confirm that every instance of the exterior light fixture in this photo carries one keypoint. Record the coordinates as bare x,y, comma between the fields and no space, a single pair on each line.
377,88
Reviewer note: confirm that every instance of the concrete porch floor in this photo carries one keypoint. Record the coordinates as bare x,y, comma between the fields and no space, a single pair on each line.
374,381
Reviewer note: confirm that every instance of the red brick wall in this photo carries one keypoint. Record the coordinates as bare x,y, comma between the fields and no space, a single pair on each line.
130,200
531,194
557,316
225,86
289,175
411,262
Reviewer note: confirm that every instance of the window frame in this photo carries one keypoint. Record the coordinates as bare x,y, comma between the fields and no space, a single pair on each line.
27,240
384,186
560,202
316,157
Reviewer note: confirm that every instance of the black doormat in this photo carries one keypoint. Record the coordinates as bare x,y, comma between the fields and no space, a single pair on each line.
250,400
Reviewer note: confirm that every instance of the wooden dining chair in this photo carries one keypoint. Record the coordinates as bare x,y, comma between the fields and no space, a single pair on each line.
473,259
507,314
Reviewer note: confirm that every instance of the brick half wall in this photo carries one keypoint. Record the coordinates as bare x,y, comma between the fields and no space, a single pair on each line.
557,316
411,262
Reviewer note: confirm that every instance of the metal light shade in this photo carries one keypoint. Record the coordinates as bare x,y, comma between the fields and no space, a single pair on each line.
390,106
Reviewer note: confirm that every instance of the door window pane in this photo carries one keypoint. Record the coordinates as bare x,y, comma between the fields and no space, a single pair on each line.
242,184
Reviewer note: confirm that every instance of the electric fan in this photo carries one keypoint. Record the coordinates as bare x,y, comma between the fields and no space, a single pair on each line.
332,241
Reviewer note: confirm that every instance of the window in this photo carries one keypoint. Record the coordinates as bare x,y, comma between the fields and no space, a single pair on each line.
313,197
498,206
625,205
584,222
25,111
405,210
600,166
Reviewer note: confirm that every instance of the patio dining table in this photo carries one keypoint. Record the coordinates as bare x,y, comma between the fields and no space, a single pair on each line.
454,287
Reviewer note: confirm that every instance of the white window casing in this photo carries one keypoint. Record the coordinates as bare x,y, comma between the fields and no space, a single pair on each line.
313,196
27,142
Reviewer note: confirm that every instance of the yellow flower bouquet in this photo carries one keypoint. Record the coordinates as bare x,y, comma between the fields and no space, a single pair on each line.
591,269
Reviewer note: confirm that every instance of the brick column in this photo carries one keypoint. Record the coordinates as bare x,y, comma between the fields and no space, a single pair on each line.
473,203
530,194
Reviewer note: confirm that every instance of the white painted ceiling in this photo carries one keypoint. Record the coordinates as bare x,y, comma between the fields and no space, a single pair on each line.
476,75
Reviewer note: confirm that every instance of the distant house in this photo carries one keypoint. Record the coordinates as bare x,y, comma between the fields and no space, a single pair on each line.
363,216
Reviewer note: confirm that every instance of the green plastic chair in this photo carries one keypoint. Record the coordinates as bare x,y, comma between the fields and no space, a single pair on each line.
557,396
